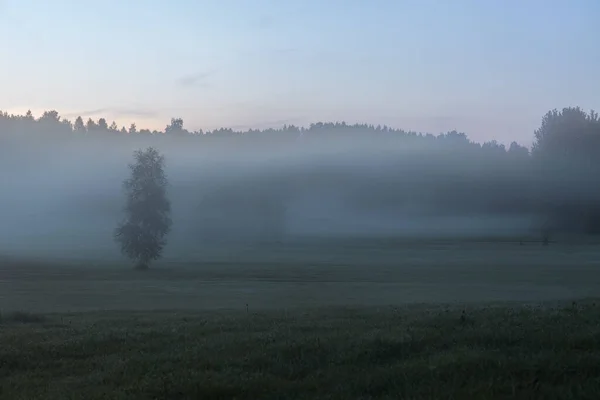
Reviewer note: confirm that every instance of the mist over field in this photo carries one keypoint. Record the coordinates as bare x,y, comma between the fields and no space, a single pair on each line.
274,195
64,199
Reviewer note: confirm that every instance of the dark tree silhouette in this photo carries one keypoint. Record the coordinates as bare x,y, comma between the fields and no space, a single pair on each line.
79,126
91,126
557,180
132,129
102,124
565,156
142,234
175,127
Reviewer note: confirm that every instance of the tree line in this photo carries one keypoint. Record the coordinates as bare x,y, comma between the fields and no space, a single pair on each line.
556,179
51,125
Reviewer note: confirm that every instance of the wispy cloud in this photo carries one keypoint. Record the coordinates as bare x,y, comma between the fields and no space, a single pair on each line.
198,79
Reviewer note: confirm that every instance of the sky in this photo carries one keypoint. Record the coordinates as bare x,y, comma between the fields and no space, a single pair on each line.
488,68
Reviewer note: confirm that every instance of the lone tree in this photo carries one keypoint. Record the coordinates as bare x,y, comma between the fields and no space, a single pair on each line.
142,234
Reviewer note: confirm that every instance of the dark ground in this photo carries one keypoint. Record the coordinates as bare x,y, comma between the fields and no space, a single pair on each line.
346,322
353,274
412,352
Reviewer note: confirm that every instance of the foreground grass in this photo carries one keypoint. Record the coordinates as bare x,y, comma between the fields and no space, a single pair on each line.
411,352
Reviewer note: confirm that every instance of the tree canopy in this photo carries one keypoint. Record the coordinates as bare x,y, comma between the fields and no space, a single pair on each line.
142,233
557,177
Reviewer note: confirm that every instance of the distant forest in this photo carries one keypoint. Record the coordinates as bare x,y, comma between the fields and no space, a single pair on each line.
50,123
558,179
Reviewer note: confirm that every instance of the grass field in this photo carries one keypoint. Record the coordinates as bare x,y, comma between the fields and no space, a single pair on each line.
411,352
359,274
355,322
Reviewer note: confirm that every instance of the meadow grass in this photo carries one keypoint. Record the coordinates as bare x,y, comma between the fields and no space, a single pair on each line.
535,350
307,323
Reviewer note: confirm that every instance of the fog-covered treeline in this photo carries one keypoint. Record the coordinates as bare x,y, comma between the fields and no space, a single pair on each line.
326,179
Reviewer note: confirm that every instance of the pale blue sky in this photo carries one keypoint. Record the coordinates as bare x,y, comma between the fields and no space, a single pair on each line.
490,68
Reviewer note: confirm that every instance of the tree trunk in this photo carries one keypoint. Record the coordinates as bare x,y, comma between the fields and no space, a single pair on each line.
141,266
